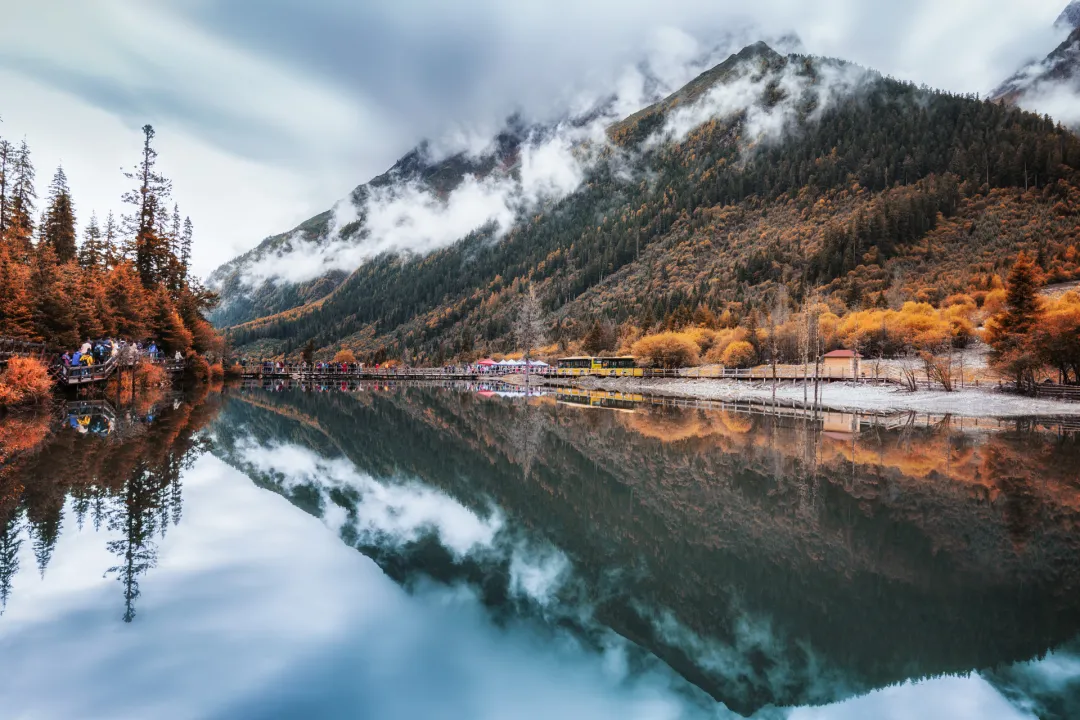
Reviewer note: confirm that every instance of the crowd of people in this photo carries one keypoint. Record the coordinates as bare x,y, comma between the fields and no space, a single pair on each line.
100,351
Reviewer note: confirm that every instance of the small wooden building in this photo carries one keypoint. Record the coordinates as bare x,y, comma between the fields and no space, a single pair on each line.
841,364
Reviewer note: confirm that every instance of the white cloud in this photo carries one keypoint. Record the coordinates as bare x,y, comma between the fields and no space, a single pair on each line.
265,120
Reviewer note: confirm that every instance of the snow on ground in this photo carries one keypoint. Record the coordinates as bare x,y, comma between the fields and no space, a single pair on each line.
970,402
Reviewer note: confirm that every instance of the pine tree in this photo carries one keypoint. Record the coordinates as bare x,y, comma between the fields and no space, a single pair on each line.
114,252
1022,297
16,306
1009,334
127,299
148,200
19,226
54,319
92,254
168,327
59,226
176,230
10,543
86,295
185,248
7,156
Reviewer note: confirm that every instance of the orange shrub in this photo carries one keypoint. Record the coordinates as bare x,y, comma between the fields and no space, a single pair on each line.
148,375
344,356
738,354
25,380
217,371
667,350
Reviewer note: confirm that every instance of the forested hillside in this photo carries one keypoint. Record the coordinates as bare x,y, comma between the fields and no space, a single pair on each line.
824,177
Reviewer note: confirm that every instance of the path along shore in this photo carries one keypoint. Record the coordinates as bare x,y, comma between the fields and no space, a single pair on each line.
969,402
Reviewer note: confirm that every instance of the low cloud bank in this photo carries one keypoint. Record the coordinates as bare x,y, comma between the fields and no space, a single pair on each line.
553,160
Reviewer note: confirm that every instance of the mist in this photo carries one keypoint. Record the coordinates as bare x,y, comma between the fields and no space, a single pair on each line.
409,218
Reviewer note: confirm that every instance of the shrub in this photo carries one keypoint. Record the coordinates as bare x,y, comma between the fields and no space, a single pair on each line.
738,354
344,356
148,375
25,380
235,370
666,350
217,371
198,367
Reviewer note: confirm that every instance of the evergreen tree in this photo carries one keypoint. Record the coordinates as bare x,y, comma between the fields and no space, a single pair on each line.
93,253
85,292
127,298
7,157
10,542
168,327
16,305
111,242
185,247
19,225
59,225
148,198
1022,298
54,319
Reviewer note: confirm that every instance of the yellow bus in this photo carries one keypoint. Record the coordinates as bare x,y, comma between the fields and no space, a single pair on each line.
603,367
624,402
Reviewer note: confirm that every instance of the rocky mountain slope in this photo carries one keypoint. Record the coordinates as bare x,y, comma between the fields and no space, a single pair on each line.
765,170
1053,83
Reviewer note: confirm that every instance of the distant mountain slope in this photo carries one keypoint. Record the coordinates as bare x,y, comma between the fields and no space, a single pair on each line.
1070,16
258,282
768,169
1058,74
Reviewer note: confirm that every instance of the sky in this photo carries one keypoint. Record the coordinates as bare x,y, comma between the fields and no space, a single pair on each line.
268,113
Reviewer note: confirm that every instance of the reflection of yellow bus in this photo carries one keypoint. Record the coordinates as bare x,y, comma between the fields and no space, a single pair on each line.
602,366
599,399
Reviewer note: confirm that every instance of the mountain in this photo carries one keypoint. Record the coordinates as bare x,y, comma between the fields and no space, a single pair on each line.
1069,17
1052,84
766,170
1058,73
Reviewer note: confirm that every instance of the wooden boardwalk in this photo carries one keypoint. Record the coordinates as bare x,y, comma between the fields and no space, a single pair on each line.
75,376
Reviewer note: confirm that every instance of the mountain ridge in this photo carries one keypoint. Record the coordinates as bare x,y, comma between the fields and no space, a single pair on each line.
771,141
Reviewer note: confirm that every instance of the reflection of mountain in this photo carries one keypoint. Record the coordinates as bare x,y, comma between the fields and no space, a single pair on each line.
750,553
128,482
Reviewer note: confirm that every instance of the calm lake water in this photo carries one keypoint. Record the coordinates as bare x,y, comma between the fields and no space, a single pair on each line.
426,552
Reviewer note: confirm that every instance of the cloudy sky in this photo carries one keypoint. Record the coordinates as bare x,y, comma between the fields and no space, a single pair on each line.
268,112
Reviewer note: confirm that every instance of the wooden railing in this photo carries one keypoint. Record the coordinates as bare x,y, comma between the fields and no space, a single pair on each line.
1058,392
12,347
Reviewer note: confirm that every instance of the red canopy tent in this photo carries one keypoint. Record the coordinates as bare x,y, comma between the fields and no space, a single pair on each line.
487,362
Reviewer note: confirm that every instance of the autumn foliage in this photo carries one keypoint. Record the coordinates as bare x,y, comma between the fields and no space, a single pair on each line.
24,381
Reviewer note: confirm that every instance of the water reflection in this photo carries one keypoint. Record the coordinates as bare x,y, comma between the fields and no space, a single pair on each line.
115,469
768,559
585,555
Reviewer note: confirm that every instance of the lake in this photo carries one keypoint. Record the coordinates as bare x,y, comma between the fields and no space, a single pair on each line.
407,551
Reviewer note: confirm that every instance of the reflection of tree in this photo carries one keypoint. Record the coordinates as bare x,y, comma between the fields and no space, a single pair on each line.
129,481
10,542
528,436
136,516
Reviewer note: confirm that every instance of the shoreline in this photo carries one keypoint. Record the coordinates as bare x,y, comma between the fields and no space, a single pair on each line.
841,397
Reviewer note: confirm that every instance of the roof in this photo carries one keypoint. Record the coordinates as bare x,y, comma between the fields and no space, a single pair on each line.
842,354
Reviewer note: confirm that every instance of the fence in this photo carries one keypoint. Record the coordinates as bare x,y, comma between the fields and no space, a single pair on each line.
1058,392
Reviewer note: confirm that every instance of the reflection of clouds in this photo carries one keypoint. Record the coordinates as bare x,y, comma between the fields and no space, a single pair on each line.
384,513
945,698
256,611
